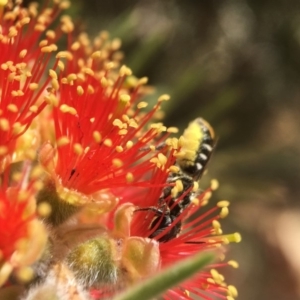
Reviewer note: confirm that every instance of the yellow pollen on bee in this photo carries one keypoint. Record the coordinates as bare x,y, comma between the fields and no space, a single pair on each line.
214,184
97,136
4,124
44,209
142,104
63,141
108,142
25,274
129,177
119,149
129,144
164,97
233,264
172,142
68,109
117,162
174,192
78,149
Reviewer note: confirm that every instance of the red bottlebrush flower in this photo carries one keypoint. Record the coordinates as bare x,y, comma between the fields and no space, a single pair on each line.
23,62
23,237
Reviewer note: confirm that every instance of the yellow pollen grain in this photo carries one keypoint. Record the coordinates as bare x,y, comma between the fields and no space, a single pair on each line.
3,150
52,74
129,144
174,192
4,124
12,107
25,274
173,130
129,177
179,185
107,142
223,203
33,86
63,141
164,97
142,104
119,149
78,149
214,184
68,109
224,212
123,132
125,71
232,291
233,264
80,90
64,54
44,209
117,162
97,136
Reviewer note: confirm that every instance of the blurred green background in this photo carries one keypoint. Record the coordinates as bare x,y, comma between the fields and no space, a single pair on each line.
237,64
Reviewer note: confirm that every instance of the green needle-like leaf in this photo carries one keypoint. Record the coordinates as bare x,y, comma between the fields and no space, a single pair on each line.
168,278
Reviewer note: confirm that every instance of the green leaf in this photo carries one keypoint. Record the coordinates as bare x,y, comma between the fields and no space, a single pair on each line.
168,278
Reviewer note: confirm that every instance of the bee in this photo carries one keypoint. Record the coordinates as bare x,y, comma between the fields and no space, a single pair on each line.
197,144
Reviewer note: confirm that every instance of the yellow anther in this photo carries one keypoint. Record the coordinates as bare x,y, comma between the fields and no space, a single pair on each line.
33,108
195,186
164,97
210,280
132,123
216,224
117,162
214,184
224,212
43,43
124,98
88,71
80,90
229,298
12,107
125,71
207,196
129,144
52,74
119,149
143,81
64,54
232,291
97,136
51,99
129,177
142,105
25,274
75,46
179,185
71,77
173,130
55,84
195,201
3,2
162,159
3,150
174,169
174,192
123,132
233,264
90,90
96,55
68,109
104,82
118,123
78,149
61,65
50,34
108,142
223,203
63,141
92,120
4,124
23,53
